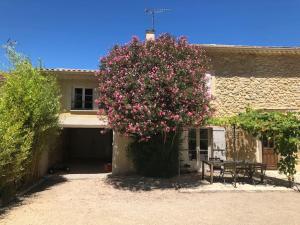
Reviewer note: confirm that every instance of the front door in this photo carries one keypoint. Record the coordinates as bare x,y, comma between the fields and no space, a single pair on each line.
269,157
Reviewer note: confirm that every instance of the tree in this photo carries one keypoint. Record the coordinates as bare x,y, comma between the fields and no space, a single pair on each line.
29,108
154,88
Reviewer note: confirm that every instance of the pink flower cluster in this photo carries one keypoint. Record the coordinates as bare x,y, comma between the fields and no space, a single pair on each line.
155,86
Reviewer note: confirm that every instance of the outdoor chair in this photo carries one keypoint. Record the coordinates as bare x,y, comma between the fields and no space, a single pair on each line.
252,169
257,171
217,168
229,168
244,170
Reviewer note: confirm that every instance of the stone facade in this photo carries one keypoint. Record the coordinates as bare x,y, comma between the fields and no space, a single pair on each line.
247,146
256,78
261,78
261,81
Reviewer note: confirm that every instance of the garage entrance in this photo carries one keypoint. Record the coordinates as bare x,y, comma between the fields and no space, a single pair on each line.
89,144
86,150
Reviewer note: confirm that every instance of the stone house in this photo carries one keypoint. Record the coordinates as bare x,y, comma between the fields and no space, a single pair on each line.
266,78
260,77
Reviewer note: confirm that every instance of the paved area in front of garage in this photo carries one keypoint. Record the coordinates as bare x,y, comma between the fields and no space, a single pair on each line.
100,199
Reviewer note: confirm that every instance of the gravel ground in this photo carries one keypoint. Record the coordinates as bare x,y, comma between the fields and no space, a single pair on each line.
99,199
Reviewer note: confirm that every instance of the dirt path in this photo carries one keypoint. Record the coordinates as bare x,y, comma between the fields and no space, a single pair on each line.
91,200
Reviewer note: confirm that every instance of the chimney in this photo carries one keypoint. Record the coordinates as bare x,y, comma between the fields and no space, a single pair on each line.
150,35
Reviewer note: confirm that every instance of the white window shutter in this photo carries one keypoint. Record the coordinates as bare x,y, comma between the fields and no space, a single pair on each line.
219,143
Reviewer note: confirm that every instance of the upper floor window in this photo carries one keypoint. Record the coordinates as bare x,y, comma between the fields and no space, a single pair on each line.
83,98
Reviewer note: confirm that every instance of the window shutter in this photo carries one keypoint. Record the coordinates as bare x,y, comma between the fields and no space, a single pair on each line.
219,143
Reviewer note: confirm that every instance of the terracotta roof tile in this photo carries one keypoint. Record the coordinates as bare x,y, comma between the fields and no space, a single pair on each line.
69,70
252,49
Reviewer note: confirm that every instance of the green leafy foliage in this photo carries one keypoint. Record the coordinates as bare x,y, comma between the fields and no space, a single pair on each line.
150,89
158,157
29,108
284,128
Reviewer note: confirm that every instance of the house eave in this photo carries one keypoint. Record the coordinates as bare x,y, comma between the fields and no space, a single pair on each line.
268,50
62,73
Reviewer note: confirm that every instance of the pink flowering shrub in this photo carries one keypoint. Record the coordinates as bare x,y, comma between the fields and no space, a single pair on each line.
154,87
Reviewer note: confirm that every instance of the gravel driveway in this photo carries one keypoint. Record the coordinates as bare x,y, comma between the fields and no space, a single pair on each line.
96,199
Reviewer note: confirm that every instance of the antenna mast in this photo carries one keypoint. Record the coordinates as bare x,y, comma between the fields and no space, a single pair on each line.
152,12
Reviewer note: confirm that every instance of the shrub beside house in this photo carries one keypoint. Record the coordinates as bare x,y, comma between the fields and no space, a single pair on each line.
1,77
159,87
29,106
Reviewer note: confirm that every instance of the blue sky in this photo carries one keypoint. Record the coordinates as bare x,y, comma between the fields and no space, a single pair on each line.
75,33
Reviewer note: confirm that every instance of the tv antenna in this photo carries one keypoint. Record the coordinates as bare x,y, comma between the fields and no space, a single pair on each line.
152,12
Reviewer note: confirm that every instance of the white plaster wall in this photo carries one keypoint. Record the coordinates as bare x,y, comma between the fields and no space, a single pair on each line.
258,151
121,164
43,164
67,89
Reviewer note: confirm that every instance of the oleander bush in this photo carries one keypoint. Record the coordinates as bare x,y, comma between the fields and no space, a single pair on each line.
149,91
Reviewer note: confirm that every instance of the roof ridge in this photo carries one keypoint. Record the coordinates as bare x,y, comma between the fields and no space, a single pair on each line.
248,46
68,70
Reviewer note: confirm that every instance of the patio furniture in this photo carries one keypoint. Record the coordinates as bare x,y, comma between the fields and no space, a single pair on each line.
231,169
217,167
211,165
259,169
234,168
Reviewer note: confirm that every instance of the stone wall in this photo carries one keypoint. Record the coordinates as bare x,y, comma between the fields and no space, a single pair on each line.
247,146
257,80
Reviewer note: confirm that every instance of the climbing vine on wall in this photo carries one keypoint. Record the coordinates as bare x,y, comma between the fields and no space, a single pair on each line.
283,127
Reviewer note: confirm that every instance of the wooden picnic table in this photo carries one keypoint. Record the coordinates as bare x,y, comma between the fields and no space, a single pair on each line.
237,166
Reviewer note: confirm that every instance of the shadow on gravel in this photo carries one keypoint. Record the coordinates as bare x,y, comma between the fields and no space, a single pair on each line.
42,185
280,182
138,183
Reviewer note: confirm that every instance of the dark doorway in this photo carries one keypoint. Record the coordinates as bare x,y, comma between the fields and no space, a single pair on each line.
86,150
89,144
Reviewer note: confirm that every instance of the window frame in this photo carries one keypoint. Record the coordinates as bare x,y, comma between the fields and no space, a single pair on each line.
197,153
192,152
205,151
83,100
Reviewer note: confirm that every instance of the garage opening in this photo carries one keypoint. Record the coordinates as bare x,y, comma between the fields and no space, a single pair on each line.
86,150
